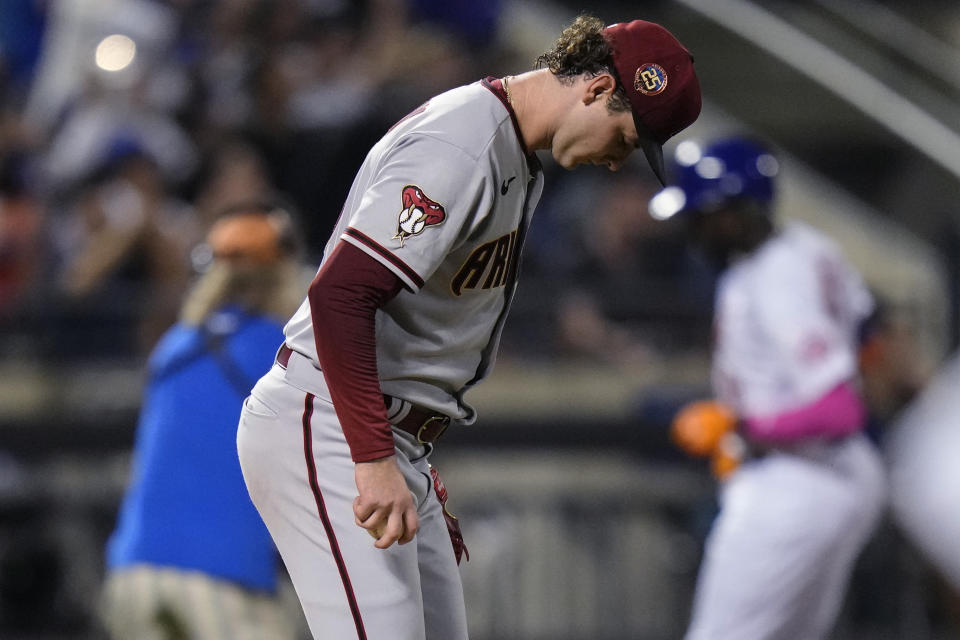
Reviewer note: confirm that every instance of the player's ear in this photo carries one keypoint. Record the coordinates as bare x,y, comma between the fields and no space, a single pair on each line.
597,86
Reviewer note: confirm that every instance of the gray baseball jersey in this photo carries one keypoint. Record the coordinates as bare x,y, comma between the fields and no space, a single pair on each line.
443,201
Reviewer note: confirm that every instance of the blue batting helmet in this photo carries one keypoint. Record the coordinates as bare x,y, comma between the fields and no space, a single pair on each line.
708,178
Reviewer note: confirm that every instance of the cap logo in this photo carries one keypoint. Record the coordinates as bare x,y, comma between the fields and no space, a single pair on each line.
650,79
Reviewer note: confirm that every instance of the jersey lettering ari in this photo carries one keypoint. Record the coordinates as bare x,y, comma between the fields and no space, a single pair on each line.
443,200
786,324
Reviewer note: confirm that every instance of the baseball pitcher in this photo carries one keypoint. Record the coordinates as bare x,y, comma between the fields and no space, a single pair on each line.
405,315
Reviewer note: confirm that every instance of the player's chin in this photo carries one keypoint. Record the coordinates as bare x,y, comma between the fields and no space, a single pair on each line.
568,162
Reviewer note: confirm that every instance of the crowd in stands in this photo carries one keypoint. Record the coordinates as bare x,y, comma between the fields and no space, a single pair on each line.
109,177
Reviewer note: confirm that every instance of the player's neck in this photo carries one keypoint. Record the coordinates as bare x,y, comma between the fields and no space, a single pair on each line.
536,98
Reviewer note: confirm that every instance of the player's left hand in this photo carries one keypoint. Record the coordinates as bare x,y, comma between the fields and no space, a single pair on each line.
385,506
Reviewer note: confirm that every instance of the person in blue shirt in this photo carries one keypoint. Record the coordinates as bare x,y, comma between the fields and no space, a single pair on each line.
190,556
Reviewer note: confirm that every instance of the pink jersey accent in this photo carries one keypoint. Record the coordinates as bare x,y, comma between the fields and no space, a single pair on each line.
838,413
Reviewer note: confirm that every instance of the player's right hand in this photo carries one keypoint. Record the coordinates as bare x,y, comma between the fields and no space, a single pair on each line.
385,505
699,427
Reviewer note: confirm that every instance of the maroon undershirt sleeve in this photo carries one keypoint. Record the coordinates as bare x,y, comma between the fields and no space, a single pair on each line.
344,298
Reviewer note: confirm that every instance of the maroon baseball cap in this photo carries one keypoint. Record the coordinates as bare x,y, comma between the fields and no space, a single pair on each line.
657,73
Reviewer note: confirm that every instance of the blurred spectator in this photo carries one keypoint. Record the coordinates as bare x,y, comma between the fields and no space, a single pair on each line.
236,173
892,369
106,73
102,118
432,45
22,249
342,74
623,287
70,63
307,86
314,112
126,246
190,557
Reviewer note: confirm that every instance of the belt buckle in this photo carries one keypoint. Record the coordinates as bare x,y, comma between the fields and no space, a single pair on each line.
445,422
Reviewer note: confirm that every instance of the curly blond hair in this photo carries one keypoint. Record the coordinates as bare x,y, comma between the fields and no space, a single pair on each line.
582,50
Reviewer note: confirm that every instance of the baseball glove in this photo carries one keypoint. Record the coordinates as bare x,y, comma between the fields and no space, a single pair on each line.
698,427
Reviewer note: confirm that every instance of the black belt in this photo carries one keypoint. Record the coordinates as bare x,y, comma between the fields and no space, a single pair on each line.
425,425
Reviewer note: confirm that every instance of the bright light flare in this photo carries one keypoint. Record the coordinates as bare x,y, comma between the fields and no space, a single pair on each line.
667,203
688,153
115,53
767,165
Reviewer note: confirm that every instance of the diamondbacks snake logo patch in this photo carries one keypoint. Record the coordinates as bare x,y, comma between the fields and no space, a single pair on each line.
418,213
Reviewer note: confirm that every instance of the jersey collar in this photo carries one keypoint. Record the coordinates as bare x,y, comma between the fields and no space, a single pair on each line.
495,85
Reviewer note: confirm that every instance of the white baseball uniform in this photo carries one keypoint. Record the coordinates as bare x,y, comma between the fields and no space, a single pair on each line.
921,449
443,201
793,519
